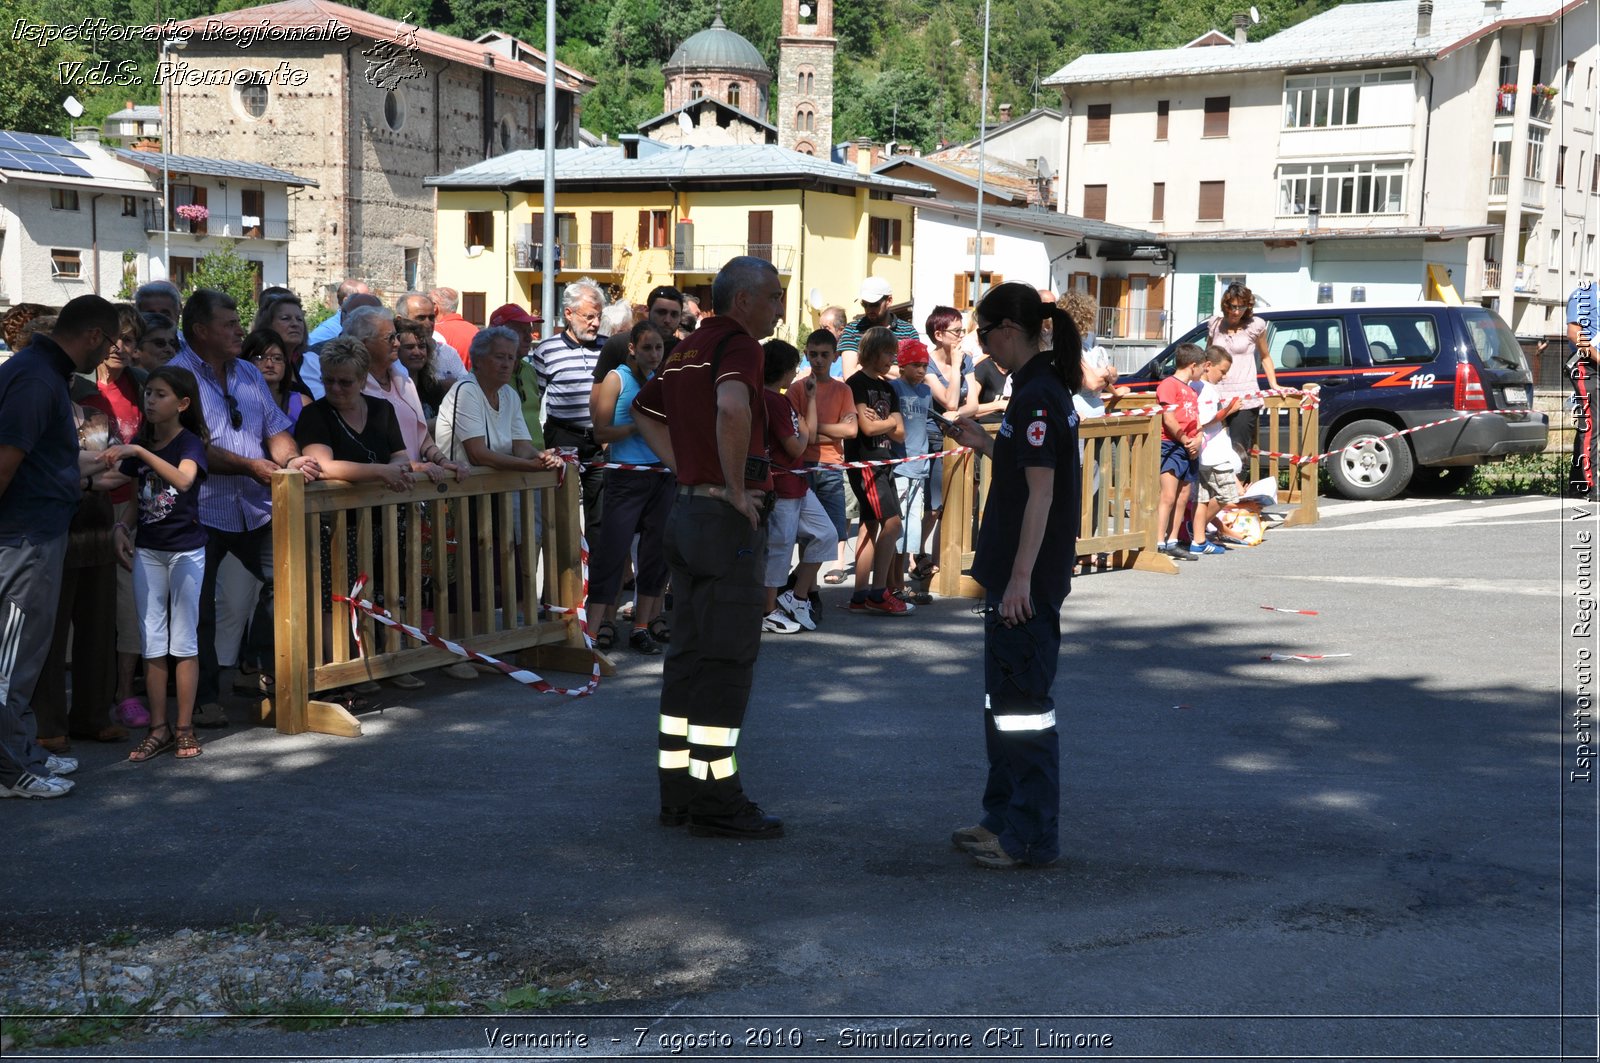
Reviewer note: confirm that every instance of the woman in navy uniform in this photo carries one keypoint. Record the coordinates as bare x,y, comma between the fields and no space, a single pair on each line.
1024,555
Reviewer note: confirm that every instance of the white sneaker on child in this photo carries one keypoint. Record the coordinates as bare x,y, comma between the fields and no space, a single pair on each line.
778,623
798,610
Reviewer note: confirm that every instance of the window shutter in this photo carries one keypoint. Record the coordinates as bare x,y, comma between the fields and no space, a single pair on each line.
1094,202
1163,108
644,229
896,231
1099,123
1217,116
474,307
961,294
1211,200
1158,201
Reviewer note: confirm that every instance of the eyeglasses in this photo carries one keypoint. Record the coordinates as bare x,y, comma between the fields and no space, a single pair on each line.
1235,306
235,417
984,330
264,359
339,382
955,330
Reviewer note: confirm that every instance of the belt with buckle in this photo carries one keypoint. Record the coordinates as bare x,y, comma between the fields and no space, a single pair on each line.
700,491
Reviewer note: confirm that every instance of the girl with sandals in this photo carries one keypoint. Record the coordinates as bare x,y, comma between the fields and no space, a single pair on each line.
169,550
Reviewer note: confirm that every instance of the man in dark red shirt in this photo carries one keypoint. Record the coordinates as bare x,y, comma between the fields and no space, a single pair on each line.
703,413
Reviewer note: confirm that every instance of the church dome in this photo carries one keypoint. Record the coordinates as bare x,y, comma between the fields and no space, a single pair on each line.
717,48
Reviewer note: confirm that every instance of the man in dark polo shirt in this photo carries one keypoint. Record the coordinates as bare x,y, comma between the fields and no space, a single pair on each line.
702,412
40,484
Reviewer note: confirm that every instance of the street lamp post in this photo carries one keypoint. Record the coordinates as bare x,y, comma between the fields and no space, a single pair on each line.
983,143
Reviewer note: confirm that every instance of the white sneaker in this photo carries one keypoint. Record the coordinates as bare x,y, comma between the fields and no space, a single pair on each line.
798,609
30,785
777,622
58,765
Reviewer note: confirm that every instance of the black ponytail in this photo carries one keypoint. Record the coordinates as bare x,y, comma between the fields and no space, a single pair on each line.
1021,304
1066,349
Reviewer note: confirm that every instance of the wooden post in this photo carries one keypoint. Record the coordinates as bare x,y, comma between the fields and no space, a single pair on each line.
562,523
1145,465
1303,477
294,710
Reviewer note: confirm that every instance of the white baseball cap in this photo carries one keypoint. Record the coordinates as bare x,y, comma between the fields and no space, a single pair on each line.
874,290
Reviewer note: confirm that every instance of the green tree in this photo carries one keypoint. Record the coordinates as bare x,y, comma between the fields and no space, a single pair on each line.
34,92
225,271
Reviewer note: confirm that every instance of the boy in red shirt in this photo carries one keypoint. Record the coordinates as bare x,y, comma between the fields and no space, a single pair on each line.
1180,446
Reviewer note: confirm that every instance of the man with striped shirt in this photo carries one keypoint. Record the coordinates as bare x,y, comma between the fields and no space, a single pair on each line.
250,440
876,297
565,364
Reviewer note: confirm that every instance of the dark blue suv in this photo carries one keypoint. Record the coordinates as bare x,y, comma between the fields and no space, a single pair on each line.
1383,368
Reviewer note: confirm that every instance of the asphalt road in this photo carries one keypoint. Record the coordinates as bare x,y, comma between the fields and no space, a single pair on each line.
1355,856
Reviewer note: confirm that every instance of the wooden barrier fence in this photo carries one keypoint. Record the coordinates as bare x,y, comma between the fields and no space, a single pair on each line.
1121,485
442,556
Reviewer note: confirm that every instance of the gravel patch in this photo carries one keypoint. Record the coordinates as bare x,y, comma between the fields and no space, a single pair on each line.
139,982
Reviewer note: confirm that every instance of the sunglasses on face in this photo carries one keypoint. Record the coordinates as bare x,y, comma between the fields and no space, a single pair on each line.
235,417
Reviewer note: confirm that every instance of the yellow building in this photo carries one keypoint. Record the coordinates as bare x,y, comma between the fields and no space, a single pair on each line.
644,214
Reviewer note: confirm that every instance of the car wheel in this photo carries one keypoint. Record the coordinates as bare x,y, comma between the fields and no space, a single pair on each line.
1366,466
1439,480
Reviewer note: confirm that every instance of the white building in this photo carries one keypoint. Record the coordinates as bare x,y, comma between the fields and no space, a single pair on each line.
1263,160
245,203
68,213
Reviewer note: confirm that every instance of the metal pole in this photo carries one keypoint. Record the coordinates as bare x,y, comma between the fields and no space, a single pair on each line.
983,138
548,295
166,152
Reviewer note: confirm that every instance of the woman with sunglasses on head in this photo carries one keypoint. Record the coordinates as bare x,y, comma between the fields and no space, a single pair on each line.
1238,331
283,314
158,342
1023,559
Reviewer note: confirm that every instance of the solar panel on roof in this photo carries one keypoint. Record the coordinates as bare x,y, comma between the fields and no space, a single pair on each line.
33,162
41,145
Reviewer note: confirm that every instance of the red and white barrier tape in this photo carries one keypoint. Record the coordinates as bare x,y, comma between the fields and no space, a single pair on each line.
796,472
1303,658
1309,459
1308,399
1296,612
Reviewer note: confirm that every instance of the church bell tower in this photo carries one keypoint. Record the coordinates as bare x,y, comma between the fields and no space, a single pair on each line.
805,77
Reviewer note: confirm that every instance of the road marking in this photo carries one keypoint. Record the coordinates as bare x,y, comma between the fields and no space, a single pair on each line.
1451,517
1443,583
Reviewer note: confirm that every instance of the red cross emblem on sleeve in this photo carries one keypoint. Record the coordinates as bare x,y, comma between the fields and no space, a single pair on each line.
1036,433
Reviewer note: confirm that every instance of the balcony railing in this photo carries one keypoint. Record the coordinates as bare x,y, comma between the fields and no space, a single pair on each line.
578,258
1532,193
1499,184
1541,109
1123,324
1491,277
709,258
236,226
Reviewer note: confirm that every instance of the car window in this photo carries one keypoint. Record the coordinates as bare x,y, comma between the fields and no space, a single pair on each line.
1494,343
1307,343
1401,339
1169,358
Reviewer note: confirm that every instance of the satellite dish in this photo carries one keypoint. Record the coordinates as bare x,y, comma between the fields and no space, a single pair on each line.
1255,16
816,301
685,123
72,106
805,10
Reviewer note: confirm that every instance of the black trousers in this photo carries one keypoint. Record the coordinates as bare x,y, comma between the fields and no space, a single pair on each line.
591,482
254,551
1022,797
1585,453
716,561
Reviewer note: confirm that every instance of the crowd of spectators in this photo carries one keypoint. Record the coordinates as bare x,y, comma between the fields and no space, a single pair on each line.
183,418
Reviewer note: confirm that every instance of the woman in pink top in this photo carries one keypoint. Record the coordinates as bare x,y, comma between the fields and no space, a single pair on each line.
1238,331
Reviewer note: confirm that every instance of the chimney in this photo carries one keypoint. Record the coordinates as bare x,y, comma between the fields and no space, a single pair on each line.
1424,18
1491,9
864,155
130,105
1241,28
1005,113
